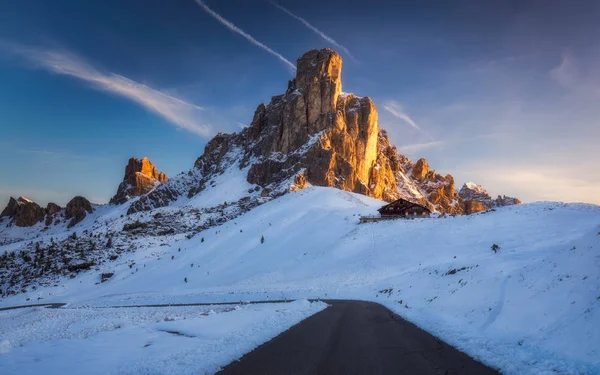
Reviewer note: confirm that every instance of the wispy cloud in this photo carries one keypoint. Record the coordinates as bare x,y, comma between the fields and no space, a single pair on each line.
248,37
51,156
178,112
565,74
317,31
396,110
418,147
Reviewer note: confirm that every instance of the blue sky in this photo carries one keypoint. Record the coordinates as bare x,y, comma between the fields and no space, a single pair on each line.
502,93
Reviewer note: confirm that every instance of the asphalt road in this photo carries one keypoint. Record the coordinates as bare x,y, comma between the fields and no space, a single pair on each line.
47,305
355,337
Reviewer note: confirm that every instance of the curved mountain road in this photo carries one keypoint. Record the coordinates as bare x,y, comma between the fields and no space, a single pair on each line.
347,338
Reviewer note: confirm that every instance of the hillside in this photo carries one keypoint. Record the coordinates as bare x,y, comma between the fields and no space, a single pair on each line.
531,306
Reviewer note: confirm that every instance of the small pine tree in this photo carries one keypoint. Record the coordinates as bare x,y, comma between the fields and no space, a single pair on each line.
172,257
202,240
109,243
185,279
495,248
74,236
262,239
179,249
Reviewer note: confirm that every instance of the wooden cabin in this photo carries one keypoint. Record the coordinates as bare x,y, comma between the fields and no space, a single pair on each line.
400,208
404,208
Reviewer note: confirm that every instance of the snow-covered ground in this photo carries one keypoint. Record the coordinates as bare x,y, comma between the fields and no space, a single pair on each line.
531,307
174,340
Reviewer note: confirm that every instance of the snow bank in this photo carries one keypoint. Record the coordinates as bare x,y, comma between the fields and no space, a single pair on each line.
178,340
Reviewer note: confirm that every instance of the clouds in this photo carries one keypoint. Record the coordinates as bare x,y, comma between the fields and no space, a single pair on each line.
531,182
178,112
396,110
248,37
317,31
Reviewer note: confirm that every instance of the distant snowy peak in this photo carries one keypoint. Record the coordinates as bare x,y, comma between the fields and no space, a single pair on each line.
471,190
476,196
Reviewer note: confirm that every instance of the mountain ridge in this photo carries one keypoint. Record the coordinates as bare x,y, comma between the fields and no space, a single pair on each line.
312,134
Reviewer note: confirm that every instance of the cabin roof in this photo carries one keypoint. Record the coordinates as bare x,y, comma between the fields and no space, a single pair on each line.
404,205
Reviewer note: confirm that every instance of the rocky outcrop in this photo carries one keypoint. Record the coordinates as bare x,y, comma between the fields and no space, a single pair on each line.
314,134
473,206
11,209
476,198
77,209
51,210
141,176
23,212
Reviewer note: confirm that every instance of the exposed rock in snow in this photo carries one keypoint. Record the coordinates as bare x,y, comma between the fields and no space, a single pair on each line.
77,209
478,199
141,176
23,212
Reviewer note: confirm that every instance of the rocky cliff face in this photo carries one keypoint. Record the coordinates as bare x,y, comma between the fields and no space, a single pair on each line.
77,209
23,212
141,176
315,134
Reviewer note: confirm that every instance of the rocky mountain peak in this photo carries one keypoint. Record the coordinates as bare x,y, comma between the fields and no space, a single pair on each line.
141,176
314,134
24,212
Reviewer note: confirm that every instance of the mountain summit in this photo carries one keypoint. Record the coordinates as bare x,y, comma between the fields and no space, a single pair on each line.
141,176
315,134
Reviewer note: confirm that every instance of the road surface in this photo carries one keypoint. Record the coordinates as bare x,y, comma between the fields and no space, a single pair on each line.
355,337
347,338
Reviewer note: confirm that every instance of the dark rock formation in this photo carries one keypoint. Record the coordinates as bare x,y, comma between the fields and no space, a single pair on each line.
77,209
141,176
24,212
51,210
11,208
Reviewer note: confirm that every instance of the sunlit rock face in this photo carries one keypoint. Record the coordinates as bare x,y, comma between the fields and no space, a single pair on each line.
315,128
141,176
471,192
314,134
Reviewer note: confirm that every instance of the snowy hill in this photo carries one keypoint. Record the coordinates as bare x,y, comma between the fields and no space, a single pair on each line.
531,307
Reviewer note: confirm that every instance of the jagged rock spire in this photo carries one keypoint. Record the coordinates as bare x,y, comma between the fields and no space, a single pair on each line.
141,176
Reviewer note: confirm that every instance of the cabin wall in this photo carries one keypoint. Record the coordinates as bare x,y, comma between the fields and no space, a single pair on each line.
415,211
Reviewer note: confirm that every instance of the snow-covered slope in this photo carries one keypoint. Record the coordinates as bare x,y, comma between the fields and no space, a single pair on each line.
533,306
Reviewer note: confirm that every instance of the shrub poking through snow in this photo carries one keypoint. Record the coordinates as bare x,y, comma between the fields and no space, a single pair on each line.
262,239
495,248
